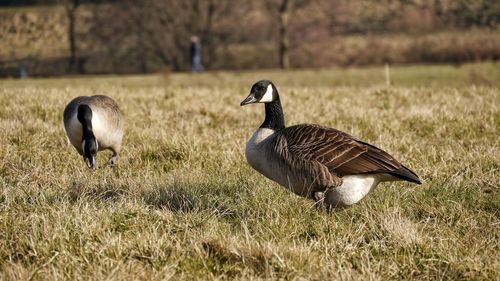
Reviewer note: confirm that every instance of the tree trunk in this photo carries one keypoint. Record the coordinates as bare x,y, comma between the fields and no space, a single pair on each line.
71,11
207,36
284,17
140,37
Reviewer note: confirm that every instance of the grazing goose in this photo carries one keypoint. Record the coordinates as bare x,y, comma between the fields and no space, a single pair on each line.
324,164
94,123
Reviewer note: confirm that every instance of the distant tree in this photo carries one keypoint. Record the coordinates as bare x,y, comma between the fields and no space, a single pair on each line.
155,33
71,7
284,40
281,9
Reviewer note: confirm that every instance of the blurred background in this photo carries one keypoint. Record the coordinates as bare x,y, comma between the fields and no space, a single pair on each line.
71,37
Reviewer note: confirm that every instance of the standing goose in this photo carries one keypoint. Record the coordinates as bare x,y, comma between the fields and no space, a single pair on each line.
324,164
94,123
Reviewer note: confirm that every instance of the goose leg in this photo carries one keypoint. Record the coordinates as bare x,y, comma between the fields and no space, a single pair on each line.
112,161
329,208
328,203
114,158
318,198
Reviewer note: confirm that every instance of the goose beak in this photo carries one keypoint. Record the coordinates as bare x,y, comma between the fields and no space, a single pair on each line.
90,162
250,99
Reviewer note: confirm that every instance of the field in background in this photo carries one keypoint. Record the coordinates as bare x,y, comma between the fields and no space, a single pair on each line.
183,203
113,38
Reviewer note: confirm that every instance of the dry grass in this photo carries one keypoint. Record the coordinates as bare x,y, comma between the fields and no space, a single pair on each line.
182,202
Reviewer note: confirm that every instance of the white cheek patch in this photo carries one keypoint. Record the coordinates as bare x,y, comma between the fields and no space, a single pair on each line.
268,96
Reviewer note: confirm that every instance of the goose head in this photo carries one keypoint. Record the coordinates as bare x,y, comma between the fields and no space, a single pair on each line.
265,92
89,142
262,92
89,146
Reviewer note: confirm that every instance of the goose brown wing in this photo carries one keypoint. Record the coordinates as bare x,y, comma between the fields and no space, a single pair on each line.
339,152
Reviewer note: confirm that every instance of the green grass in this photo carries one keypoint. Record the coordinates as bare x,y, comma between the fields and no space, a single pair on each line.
182,202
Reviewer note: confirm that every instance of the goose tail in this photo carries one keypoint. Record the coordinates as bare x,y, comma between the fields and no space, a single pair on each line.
406,174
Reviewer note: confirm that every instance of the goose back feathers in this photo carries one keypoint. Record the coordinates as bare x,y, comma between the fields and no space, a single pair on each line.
339,152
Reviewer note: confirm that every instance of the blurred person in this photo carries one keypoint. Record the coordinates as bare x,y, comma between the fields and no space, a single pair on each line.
195,51
23,73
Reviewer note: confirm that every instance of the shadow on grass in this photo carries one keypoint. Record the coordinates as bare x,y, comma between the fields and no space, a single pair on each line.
176,199
179,198
103,192
186,198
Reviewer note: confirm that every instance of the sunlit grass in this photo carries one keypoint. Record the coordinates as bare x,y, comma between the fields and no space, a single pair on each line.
182,202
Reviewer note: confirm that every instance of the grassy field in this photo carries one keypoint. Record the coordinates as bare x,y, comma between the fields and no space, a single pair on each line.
183,203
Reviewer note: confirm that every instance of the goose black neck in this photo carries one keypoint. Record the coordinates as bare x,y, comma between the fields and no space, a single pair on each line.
275,119
84,116
88,134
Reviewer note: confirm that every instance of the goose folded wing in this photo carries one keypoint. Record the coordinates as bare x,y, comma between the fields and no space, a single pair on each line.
339,152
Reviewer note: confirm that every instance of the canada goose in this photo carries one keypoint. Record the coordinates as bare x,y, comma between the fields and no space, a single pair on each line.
324,164
94,123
